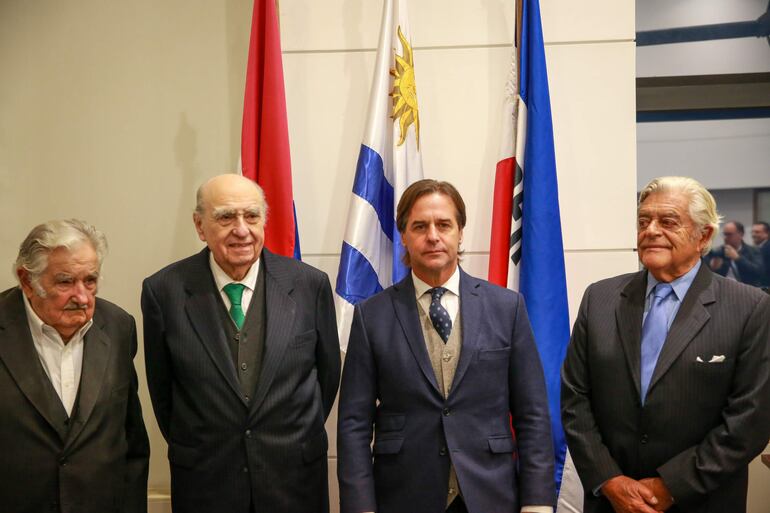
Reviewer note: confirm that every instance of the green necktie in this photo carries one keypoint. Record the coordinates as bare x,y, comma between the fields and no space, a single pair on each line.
234,292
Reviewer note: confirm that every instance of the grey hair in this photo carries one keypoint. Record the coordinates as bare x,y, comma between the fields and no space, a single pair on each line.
45,238
702,206
199,202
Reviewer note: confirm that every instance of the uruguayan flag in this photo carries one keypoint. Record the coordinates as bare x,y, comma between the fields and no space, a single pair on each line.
389,161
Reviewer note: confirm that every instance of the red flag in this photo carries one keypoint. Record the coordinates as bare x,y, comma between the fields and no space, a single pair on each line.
265,135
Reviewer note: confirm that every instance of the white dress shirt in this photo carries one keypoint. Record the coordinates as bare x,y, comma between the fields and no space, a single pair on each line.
221,279
62,363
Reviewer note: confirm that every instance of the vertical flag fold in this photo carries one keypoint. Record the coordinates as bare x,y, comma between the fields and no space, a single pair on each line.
526,248
389,160
265,156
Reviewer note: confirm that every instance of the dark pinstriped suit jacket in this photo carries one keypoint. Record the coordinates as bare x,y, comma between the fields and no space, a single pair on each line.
224,450
702,423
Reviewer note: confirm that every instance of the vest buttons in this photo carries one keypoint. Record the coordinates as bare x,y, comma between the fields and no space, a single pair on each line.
644,439
447,412
244,366
237,337
248,433
245,470
442,452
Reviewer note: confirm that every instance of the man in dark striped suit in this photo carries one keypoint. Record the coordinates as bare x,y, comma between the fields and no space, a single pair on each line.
666,384
243,364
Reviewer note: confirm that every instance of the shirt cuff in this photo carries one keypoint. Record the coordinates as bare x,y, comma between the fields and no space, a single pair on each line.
537,509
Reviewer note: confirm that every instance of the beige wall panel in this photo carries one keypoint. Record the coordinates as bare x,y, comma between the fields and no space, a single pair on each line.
586,267
327,96
355,24
593,104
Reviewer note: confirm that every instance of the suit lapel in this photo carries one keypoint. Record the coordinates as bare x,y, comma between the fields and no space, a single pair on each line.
201,307
17,352
405,306
629,322
281,310
689,320
96,356
471,315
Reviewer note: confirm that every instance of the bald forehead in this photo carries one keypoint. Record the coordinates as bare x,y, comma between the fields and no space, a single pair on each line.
228,188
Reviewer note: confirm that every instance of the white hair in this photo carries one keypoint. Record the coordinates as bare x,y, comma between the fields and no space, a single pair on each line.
702,206
45,238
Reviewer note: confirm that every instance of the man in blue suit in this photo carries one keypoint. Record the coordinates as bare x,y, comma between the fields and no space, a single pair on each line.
438,367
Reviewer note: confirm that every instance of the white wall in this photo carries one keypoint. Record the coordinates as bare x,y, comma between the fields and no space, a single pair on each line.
726,154
115,112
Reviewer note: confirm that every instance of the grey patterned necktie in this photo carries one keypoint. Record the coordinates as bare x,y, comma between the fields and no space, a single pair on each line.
438,314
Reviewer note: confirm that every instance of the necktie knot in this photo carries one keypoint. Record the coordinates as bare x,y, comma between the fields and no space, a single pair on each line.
234,292
439,317
662,291
437,293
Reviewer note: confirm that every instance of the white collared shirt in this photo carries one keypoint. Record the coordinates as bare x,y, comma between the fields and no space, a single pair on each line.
62,363
221,279
450,300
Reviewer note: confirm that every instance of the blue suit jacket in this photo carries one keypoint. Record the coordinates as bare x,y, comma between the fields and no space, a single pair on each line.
499,377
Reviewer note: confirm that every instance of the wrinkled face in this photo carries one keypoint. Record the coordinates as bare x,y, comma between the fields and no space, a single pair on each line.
232,224
65,295
732,236
759,234
668,242
432,238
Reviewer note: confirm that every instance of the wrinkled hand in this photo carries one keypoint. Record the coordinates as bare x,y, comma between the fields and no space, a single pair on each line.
731,253
629,495
715,263
660,490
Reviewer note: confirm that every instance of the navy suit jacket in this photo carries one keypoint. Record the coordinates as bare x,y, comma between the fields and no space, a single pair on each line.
499,378
707,411
225,451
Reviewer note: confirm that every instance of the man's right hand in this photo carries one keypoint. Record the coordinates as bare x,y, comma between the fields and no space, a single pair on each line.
715,263
629,496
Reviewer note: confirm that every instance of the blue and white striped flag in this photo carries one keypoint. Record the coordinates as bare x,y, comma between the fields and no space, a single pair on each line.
389,161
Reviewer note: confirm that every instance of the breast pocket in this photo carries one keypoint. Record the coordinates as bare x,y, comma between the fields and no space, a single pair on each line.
305,338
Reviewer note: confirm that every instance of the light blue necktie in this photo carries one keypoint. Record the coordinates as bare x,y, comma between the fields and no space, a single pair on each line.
654,332
438,314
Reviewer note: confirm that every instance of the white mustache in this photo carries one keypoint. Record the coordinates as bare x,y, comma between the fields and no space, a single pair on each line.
75,306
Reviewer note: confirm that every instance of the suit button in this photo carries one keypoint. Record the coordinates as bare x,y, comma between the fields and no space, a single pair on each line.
644,439
447,412
245,470
244,366
442,452
237,337
63,462
248,433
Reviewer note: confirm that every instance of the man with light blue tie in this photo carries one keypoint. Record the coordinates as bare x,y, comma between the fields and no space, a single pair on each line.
666,384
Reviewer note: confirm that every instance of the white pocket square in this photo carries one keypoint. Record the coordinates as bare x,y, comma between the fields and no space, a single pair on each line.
717,358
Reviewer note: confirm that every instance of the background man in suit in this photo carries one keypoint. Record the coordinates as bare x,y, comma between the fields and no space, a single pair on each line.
243,364
760,234
666,385
437,367
72,438
735,259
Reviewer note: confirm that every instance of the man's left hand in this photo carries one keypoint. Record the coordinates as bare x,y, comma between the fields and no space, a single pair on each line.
659,488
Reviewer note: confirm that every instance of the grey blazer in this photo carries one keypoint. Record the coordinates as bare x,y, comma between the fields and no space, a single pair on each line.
225,451
702,422
97,460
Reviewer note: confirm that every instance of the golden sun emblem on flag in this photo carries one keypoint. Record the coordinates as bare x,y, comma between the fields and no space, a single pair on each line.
405,92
